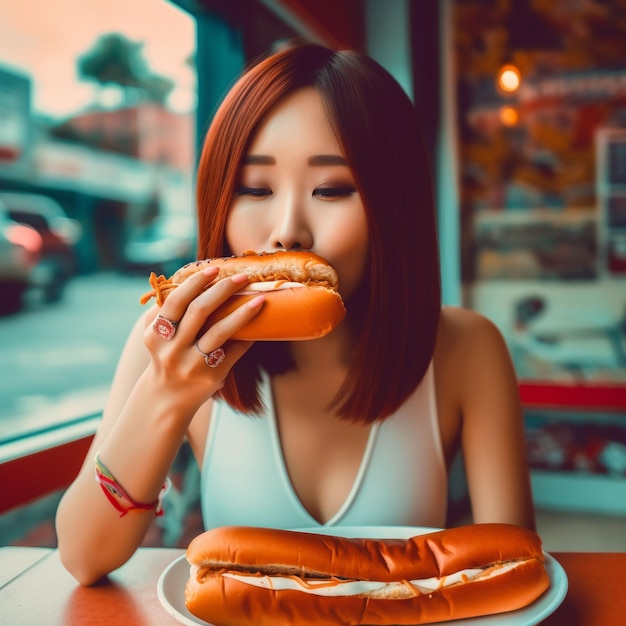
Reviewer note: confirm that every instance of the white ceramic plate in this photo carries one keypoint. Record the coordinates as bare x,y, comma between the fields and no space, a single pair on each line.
171,584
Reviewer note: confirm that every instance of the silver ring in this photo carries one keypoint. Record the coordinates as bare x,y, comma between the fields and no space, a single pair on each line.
164,327
212,359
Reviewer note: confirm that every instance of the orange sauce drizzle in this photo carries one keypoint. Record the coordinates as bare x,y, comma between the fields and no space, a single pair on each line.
412,588
320,583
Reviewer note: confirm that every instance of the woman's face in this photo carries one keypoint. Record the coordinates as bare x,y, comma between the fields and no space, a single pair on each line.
296,191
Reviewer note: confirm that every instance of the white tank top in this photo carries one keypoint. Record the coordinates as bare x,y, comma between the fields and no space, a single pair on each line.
402,480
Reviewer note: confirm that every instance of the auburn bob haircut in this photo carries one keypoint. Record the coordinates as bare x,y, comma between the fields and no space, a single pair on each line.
378,128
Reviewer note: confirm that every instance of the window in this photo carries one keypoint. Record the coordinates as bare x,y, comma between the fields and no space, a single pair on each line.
97,149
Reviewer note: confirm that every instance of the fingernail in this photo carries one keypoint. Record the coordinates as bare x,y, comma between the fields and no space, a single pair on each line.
256,302
210,271
239,279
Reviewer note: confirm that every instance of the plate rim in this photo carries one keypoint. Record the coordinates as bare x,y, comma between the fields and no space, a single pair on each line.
165,601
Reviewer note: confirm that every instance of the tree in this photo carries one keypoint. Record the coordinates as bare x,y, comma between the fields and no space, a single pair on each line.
113,59
157,88
116,60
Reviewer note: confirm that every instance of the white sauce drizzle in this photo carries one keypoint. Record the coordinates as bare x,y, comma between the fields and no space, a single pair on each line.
322,587
268,285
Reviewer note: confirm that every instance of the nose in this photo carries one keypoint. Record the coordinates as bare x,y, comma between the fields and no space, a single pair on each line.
292,230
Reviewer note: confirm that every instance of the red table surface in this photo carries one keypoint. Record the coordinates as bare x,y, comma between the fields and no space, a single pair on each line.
595,595
44,593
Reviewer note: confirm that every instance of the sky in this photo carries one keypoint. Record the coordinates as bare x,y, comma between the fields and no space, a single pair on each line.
43,38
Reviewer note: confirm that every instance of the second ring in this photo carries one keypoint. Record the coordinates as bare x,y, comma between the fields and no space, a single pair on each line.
214,358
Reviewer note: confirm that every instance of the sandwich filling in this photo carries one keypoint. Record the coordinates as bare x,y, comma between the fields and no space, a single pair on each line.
335,586
268,285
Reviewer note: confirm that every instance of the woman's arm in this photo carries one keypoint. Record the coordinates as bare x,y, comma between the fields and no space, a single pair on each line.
135,445
492,428
158,388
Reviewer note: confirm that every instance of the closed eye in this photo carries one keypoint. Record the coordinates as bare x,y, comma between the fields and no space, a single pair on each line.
334,192
255,192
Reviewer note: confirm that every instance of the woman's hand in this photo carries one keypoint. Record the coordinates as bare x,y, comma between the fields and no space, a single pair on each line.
190,358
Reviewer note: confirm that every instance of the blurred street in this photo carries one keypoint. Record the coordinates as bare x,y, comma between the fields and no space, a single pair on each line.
57,361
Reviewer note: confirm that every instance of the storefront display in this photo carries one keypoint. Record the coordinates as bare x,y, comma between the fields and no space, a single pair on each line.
542,162
543,180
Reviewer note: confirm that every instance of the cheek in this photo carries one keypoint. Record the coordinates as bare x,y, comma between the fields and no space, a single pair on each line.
241,231
347,249
352,270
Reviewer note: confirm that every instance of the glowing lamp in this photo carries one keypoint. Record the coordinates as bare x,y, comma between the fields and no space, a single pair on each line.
509,78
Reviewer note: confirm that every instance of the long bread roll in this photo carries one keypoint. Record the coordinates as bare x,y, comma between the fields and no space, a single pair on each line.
245,576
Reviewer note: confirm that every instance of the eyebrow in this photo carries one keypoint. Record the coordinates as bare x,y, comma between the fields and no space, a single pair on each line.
319,159
258,159
327,159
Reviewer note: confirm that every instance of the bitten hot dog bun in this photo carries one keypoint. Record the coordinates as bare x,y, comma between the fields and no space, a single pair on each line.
243,576
302,301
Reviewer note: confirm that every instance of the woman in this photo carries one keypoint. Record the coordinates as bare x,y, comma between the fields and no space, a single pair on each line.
318,150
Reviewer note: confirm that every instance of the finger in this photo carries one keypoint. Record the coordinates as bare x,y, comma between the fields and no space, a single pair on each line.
222,330
232,351
178,300
165,325
206,302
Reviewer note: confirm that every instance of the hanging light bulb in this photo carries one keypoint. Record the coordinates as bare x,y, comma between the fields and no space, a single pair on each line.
509,78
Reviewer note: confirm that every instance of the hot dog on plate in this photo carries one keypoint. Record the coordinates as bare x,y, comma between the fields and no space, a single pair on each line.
302,300
246,576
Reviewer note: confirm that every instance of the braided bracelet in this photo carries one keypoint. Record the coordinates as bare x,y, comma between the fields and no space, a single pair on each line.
118,497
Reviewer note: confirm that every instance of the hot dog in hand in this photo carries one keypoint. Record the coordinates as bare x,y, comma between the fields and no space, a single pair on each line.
302,301
245,576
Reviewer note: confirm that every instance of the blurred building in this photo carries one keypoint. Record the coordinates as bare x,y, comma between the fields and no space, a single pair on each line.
148,132
15,122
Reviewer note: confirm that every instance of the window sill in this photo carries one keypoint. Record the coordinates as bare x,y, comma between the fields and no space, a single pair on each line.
36,465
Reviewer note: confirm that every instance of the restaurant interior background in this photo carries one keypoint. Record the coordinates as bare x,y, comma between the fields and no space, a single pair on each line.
102,109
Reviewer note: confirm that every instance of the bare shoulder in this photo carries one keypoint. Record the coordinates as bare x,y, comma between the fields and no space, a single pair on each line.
466,323
467,336
470,354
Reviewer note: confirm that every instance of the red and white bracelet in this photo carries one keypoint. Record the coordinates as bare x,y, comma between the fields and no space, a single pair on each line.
120,499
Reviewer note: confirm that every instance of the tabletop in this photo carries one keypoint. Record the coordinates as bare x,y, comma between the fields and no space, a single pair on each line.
36,589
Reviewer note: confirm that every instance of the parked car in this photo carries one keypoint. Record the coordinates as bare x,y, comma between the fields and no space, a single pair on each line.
20,249
162,245
59,233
